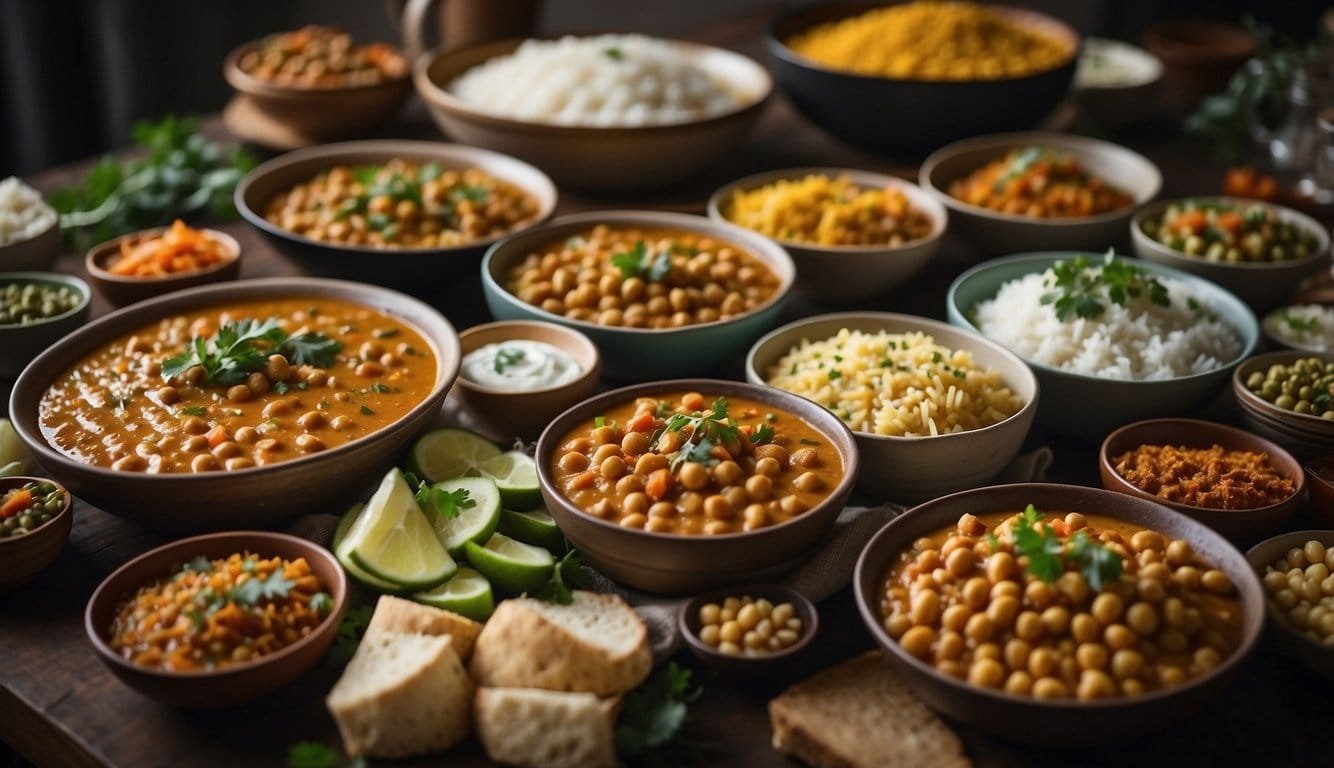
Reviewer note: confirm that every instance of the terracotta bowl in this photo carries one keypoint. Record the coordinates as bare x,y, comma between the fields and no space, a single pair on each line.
35,254
231,686
525,414
1317,657
264,495
1240,525
750,665
1303,434
674,564
19,344
121,289
1062,721
23,557
1320,484
919,468
853,272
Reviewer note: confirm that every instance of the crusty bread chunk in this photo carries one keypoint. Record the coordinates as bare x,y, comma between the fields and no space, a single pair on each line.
596,644
403,694
533,728
394,614
859,714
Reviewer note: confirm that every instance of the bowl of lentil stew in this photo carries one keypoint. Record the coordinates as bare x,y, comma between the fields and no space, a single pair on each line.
36,310
660,294
748,630
1299,563
1237,483
1058,618
704,502
179,625
35,521
236,437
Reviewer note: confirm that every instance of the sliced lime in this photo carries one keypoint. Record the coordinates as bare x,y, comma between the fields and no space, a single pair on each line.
512,566
515,474
442,454
345,523
468,593
392,540
473,523
344,554
535,527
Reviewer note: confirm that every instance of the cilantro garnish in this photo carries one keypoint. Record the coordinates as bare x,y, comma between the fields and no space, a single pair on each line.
707,430
312,754
438,503
1049,556
507,357
1078,288
195,410
349,633
653,716
243,347
639,262
568,574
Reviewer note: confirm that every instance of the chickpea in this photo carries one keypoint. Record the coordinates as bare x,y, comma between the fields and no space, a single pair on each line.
755,517
1119,637
950,647
1049,688
205,462
1039,595
791,505
925,607
986,673
612,467
1019,683
1127,663
727,473
1091,656
1218,582
976,591
896,624
776,452
1084,628
979,628
246,435
239,393
1003,611
917,641
1073,586
1028,626
717,508
277,368
1107,607
955,617
311,420
1095,684
227,449
1179,553
1001,566
238,462
960,562
1142,618
767,466
759,487
1056,620
634,443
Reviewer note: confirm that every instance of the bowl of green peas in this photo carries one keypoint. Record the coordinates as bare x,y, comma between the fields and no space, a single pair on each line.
1288,396
37,309
35,521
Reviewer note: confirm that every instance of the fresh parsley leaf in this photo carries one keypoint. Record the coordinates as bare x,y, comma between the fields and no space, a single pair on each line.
242,347
654,715
569,574
613,53
310,348
762,434
834,375
199,564
349,633
321,603
507,357
367,411
194,410
254,591
639,262
469,192
312,754
439,503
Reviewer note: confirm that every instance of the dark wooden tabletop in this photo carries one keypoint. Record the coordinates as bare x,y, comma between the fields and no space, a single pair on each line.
60,707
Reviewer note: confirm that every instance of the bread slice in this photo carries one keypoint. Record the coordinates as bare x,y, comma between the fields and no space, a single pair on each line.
596,644
859,714
403,694
533,728
394,614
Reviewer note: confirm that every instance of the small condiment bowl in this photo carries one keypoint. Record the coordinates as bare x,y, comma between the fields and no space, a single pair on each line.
525,413
1240,525
230,686
1302,434
23,557
1320,483
19,344
1117,102
1314,655
748,664
35,253
128,289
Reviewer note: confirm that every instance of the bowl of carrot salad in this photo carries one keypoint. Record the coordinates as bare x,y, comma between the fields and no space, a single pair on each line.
150,262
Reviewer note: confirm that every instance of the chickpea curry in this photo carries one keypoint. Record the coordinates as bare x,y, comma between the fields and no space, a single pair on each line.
1039,183
238,386
1058,607
679,464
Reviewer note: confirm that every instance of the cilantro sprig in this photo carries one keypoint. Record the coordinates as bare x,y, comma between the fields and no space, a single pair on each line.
348,636
252,591
1300,325
242,347
313,754
1049,556
1078,287
436,502
506,358
650,728
706,430
569,574
640,262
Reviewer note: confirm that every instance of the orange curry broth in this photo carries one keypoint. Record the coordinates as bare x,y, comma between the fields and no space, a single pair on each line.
114,409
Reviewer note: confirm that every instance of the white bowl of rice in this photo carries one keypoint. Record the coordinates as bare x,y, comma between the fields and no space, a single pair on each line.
606,113
1164,345
29,229
1307,327
934,409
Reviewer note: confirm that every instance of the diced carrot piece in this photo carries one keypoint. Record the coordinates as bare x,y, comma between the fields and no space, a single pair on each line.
15,502
659,484
720,453
641,422
1061,528
1190,221
1229,221
579,482
217,436
692,401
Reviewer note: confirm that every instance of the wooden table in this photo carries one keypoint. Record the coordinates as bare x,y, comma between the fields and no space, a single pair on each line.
60,707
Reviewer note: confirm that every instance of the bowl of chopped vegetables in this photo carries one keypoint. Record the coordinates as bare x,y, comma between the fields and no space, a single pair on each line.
36,310
217,620
160,260
35,522
1259,251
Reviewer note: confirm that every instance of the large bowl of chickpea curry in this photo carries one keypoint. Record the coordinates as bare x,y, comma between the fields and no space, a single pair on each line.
393,212
240,404
662,295
684,485
1058,614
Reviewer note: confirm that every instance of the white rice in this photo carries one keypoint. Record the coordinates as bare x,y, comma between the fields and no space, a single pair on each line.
605,81
23,213
1304,326
1140,341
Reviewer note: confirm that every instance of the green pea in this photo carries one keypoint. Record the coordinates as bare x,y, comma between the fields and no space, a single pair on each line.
1255,381
27,521
1270,391
1302,406
1285,401
1307,392
53,505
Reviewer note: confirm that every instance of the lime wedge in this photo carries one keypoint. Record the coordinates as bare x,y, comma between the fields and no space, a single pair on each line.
512,566
344,555
393,541
468,593
536,528
345,523
515,474
473,523
445,453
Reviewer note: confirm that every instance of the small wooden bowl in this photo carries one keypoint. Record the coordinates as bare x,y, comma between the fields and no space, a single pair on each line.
20,344
23,557
748,664
1321,488
1305,435
1315,656
215,689
1239,525
126,289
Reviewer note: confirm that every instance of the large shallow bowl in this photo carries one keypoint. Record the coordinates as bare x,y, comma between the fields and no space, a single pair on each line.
1301,433
850,272
127,289
1064,721
1088,407
997,232
613,159
918,468
408,268
1317,657
19,344
228,687
1242,525
639,354
679,564
1262,285
256,496
903,116
23,557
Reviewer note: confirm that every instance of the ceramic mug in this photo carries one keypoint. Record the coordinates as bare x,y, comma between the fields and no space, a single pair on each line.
463,22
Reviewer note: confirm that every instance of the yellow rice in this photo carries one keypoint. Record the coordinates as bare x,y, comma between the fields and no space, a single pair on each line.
824,211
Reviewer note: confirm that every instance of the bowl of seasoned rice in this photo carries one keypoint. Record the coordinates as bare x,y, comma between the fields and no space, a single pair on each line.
607,113
934,408
1111,340
29,229
1305,327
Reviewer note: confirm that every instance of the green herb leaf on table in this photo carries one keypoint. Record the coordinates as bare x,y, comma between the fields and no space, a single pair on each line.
349,633
569,574
650,727
313,754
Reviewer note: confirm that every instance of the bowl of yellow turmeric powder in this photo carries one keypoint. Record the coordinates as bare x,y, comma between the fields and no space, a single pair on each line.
906,78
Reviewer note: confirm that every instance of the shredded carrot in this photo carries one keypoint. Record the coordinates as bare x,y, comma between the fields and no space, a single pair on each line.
177,250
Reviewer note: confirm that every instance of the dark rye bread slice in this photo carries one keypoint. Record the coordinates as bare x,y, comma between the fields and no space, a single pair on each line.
859,714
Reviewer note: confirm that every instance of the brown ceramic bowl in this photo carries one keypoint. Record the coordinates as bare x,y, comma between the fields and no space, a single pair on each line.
673,564
1061,721
1317,657
1242,525
228,687
1320,483
23,557
526,413
748,665
19,344
1303,434
35,254
1199,57
122,289
256,496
